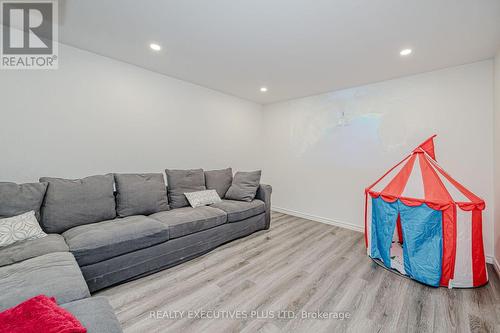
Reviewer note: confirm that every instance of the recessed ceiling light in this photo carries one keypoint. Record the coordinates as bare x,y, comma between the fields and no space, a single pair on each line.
155,47
405,52
263,89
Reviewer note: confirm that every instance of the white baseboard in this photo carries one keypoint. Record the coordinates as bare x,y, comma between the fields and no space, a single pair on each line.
496,264
351,226
316,218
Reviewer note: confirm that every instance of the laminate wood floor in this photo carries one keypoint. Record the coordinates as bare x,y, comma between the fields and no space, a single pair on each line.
298,265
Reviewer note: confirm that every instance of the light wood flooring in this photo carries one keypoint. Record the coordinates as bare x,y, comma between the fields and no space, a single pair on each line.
298,265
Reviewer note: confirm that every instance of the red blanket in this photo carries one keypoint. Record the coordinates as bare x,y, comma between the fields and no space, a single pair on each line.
39,314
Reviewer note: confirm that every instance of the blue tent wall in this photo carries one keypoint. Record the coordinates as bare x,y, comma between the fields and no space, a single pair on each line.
422,238
384,216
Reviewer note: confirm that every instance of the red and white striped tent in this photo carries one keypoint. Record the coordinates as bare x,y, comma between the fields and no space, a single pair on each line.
419,201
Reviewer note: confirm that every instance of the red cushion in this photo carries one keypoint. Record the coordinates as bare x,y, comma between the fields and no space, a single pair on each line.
39,314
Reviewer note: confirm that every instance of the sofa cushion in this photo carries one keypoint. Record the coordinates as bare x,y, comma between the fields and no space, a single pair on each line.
91,243
182,181
17,199
187,220
244,186
54,274
27,249
140,194
167,254
219,180
240,210
69,203
95,314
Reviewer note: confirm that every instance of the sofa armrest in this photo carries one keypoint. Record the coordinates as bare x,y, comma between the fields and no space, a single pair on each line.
264,193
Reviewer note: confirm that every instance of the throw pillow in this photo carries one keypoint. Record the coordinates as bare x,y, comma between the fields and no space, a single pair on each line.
219,180
244,186
140,194
39,314
19,228
182,181
202,198
18,199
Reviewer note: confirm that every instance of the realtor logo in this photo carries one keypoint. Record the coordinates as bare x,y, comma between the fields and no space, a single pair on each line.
29,35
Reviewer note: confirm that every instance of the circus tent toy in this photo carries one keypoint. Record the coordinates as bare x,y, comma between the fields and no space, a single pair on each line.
422,223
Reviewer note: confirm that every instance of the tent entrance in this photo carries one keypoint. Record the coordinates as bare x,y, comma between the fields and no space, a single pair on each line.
397,257
420,254
397,252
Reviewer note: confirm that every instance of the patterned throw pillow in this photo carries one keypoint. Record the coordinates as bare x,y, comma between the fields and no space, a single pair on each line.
202,198
20,227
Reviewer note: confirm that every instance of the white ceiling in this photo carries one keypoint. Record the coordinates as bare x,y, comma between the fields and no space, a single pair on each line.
294,47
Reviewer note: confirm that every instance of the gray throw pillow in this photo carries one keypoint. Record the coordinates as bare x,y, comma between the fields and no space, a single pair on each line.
72,202
18,199
244,186
182,181
219,180
140,194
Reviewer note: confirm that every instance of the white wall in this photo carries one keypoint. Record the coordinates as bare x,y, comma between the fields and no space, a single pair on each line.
497,161
96,115
319,168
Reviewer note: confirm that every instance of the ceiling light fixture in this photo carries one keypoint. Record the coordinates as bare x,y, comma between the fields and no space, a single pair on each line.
405,52
155,47
263,89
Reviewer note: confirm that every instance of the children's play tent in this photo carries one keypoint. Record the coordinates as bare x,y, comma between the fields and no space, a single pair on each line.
424,224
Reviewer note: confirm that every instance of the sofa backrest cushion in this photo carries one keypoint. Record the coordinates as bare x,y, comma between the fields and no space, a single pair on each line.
18,199
182,181
72,202
140,194
244,186
219,180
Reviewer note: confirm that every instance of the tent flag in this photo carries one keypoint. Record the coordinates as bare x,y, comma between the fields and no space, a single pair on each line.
428,147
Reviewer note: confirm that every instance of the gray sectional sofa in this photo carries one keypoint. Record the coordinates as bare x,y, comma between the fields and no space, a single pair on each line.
105,230
49,268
